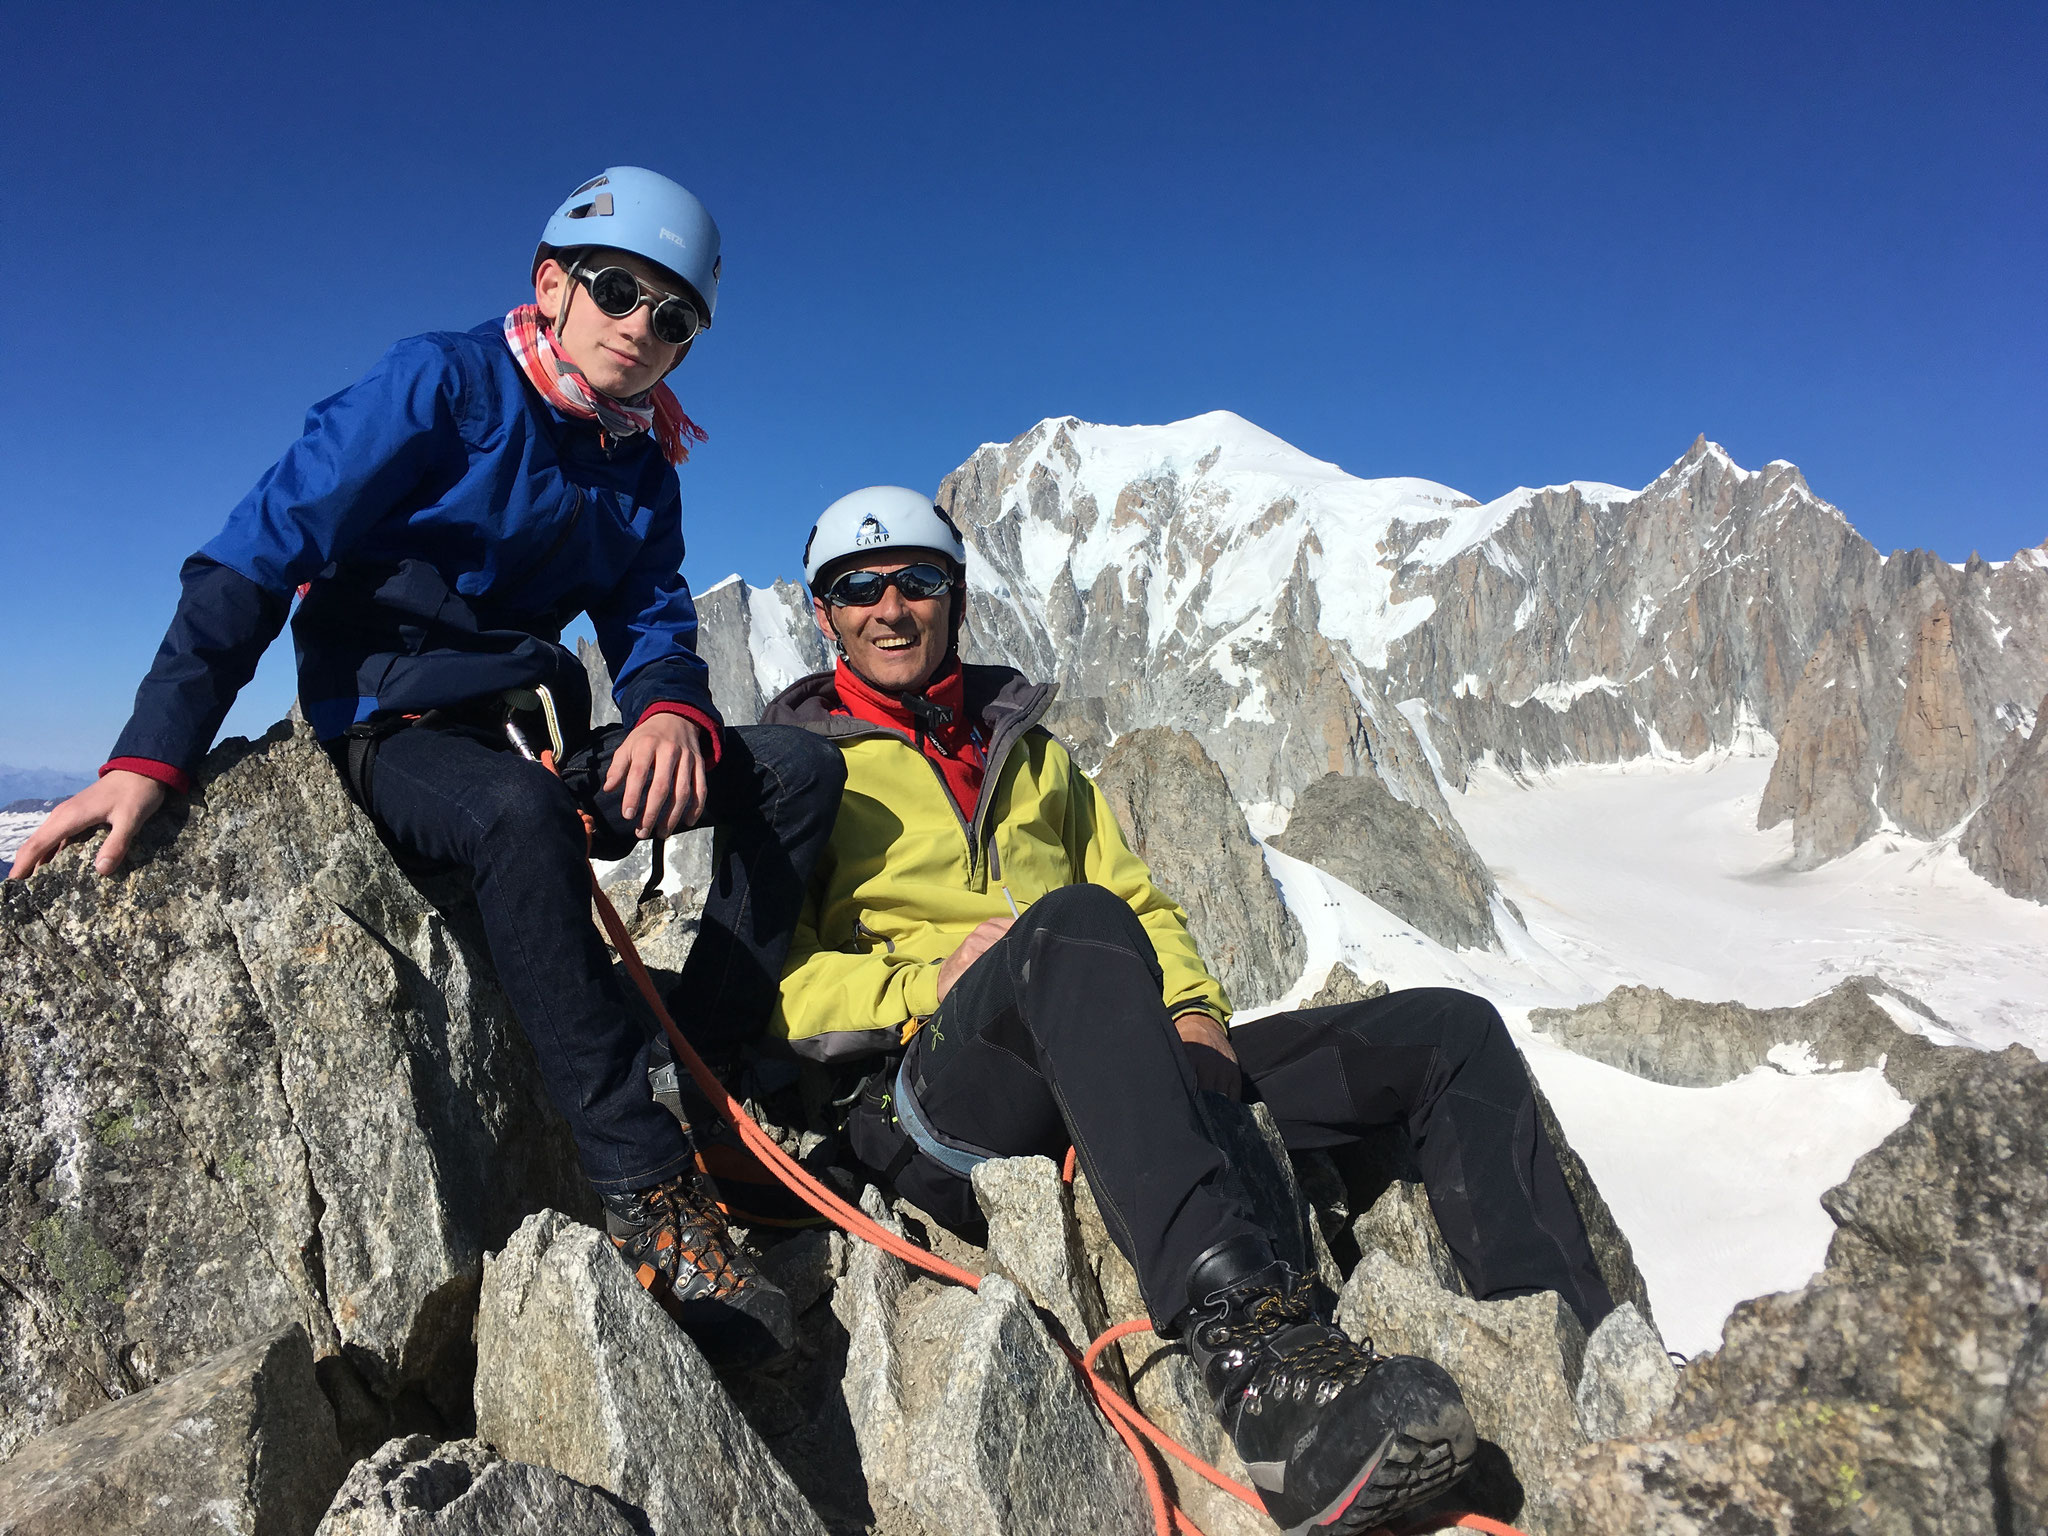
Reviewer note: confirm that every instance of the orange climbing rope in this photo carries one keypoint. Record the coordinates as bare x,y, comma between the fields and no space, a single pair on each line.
1131,1426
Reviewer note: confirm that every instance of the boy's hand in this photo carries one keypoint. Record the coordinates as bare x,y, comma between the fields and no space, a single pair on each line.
121,801
662,762
1208,1046
972,948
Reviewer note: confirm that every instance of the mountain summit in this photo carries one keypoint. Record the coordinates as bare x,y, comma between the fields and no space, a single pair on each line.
1300,622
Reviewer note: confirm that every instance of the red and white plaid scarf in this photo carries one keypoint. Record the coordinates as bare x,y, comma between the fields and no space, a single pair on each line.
562,384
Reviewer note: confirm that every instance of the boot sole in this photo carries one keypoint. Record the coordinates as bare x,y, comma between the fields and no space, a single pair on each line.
1412,1465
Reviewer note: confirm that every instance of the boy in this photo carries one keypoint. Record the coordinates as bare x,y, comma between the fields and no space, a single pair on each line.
442,520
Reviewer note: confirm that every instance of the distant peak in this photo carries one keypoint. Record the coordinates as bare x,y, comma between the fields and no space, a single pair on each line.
1703,450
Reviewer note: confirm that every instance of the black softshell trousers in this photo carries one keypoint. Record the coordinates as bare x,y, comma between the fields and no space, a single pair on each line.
1058,1035
458,798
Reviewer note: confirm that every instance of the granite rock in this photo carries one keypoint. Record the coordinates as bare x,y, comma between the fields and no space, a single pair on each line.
413,1487
1688,1044
1417,866
1517,1363
1899,1391
2007,839
967,1413
1344,985
243,1444
580,1370
255,1078
1627,1378
1177,815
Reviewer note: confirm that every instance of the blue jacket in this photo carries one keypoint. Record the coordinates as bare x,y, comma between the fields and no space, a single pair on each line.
450,523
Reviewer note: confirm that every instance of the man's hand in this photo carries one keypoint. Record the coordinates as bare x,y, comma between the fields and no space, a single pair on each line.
1208,1046
662,762
972,948
121,801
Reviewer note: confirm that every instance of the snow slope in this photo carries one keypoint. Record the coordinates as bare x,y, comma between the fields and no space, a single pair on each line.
15,827
1654,872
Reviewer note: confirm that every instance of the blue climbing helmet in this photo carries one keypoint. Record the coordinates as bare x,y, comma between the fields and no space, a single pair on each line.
630,209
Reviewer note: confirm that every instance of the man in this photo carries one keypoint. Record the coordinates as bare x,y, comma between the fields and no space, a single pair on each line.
978,922
443,519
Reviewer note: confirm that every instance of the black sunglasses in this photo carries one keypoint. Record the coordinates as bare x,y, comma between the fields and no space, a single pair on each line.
864,589
618,293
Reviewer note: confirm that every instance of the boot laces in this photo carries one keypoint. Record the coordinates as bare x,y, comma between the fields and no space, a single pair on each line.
1279,1346
683,1246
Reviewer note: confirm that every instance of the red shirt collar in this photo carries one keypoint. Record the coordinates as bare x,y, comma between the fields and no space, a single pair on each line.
947,689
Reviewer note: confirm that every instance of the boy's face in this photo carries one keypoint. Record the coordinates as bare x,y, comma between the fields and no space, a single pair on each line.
897,643
622,357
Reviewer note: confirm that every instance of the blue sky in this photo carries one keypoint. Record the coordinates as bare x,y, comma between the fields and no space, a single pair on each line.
1491,245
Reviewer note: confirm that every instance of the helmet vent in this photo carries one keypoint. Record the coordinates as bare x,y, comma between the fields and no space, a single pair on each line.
599,206
595,181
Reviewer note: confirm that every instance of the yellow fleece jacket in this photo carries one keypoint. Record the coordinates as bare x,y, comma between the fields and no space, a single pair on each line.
906,878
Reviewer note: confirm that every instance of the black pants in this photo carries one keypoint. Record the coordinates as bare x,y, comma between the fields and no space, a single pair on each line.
1057,1035
458,797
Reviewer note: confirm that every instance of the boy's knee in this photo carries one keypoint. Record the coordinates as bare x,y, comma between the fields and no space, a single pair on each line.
816,766
802,763
524,802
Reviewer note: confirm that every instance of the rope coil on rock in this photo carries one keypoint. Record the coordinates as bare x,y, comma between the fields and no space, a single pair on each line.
1131,1426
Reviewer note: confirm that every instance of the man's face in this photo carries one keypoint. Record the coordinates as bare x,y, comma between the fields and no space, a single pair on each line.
897,644
622,357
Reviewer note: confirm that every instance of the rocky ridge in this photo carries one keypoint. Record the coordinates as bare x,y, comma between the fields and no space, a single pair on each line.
256,1080
1902,1389
1862,1022
263,1123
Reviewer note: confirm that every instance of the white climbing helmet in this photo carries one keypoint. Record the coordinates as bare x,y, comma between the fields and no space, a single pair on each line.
876,518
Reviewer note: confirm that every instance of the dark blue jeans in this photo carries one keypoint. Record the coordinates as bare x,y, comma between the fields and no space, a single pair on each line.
458,797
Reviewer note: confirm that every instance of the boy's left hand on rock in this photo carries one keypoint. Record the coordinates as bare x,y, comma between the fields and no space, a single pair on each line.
662,763
1208,1046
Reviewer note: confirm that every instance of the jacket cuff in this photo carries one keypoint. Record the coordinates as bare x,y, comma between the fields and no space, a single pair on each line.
921,989
712,728
150,768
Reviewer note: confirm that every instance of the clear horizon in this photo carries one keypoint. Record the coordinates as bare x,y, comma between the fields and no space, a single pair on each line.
1474,243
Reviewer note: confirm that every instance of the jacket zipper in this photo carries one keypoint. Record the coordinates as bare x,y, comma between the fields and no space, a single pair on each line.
1007,735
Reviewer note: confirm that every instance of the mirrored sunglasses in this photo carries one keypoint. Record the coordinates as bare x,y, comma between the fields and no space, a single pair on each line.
618,293
863,589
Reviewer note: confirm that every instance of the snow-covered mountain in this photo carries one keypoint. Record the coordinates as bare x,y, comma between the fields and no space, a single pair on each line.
1302,621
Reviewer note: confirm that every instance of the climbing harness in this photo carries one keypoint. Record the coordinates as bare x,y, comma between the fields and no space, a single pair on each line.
1131,1426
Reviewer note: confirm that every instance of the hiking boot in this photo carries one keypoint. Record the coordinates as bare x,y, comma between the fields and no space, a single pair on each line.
746,1189
675,1241
1336,1437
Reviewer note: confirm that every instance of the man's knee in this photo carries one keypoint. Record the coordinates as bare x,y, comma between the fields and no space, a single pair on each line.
1472,1027
1088,912
1458,1029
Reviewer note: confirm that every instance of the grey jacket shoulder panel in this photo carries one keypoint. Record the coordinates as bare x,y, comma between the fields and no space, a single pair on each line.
995,697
